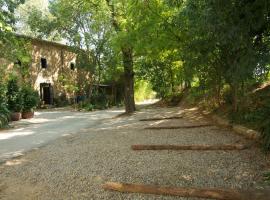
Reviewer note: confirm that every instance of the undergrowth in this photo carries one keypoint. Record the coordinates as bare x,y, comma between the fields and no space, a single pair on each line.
266,177
253,110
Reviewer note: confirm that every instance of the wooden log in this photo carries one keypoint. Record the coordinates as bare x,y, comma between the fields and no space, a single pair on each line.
189,147
178,127
161,118
209,193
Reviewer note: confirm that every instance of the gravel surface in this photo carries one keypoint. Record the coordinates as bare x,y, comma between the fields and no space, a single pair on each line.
45,127
75,166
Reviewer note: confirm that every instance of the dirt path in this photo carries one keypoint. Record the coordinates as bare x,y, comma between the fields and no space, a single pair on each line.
75,166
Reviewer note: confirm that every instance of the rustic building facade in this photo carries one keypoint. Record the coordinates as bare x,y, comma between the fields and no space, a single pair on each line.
53,72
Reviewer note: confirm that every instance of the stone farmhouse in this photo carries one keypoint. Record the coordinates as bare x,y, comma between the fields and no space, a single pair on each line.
53,72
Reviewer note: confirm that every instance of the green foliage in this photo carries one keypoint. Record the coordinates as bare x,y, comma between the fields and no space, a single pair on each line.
262,117
7,19
69,84
3,90
217,49
30,98
227,47
99,100
9,43
266,177
22,15
195,94
163,71
86,106
254,112
42,25
85,61
143,91
4,110
173,99
266,134
14,96
61,101
4,116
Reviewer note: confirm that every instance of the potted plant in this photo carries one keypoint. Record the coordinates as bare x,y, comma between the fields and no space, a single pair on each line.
14,99
30,101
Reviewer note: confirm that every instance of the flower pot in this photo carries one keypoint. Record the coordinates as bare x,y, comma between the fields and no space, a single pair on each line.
28,115
15,116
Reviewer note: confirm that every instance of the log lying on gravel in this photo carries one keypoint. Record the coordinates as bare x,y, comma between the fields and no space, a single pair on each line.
178,127
209,193
189,147
161,118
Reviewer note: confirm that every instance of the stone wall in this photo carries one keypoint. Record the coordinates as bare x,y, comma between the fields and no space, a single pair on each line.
58,74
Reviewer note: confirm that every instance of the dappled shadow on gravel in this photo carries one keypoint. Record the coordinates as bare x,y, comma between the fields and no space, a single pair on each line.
75,166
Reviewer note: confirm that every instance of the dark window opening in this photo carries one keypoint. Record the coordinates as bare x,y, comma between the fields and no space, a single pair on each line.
18,62
46,93
44,64
72,66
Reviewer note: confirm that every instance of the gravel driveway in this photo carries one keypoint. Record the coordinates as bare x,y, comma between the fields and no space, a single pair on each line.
47,126
75,166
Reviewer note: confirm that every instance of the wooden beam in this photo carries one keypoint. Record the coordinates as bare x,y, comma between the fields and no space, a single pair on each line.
189,147
209,193
161,118
178,127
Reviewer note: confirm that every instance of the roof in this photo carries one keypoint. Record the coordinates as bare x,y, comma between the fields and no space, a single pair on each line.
44,41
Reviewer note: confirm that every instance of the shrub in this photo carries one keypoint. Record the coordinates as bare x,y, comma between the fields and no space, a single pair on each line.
88,107
173,99
195,95
265,125
4,116
4,112
266,177
100,100
61,101
14,96
3,91
30,98
266,135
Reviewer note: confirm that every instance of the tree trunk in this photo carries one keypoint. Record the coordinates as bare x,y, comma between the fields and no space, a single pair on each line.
99,69
128,64
172,81
129,79
235,97
218,90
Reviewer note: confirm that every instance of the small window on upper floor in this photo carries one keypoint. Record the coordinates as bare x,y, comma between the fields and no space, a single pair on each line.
18,62
43,62
72,66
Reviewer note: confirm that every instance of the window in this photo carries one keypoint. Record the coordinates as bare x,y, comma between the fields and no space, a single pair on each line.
19,63
43,62
72,66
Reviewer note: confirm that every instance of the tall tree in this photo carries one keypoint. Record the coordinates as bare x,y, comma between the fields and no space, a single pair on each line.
22,13
123,26
88,25
226,40
12,48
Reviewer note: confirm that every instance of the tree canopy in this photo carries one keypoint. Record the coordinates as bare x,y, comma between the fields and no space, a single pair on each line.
174,45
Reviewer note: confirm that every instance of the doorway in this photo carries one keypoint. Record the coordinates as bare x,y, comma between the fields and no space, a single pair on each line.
46,93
